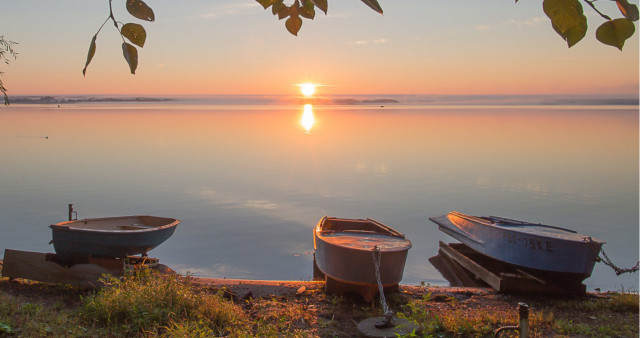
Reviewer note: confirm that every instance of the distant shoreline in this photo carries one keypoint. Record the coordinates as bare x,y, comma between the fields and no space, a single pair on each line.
372,99
90,99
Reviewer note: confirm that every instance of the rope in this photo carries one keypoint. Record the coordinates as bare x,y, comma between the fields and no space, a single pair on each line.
376,262
605,259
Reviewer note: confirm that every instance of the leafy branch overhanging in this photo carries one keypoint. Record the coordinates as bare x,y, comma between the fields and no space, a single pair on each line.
6,47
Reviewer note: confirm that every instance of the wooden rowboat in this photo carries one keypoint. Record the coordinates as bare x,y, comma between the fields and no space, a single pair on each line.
346,250
543,248
110,236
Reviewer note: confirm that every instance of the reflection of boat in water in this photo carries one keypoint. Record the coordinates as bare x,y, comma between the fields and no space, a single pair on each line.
540,247
346,251
111,236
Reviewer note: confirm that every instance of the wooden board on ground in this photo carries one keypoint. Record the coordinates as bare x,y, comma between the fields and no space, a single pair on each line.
505,277
44,267
454,273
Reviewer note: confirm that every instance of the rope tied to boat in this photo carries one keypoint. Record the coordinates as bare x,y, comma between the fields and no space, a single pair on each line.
618,270
377,257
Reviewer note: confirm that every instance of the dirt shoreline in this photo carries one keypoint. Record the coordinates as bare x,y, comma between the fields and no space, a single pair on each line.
264,288
257,288
304,307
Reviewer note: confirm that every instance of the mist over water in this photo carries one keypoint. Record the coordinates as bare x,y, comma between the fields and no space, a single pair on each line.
249,180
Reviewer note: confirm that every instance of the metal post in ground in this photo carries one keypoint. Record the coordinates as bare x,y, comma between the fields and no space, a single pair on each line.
523,327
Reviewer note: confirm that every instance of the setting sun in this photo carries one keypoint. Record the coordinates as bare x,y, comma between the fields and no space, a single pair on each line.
307,89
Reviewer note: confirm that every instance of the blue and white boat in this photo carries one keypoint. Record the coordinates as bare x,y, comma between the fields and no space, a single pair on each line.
543,248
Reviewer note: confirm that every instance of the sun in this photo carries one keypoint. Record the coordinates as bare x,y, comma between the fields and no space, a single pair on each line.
307,89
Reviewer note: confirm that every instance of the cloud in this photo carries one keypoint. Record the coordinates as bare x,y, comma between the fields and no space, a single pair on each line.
533,22
229,9
375,168
234,201
368,42
261,204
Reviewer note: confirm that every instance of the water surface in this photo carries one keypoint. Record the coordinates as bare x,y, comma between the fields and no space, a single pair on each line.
250,182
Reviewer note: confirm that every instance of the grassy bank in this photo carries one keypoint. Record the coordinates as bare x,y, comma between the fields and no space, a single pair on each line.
147,303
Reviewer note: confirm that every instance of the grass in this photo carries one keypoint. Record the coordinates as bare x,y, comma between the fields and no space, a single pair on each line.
154,304
455,320
607,315
148,304
20,316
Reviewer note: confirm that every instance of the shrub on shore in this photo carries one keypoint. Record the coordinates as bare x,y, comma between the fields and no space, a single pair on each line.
148,302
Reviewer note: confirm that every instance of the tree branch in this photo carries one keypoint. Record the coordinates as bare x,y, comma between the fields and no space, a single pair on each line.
590,3
115,23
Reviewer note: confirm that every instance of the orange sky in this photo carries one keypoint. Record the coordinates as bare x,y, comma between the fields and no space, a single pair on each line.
236,47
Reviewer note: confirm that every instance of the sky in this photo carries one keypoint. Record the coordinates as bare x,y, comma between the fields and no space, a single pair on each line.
202,47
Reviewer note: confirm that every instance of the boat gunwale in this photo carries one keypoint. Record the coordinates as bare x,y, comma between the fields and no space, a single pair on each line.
517,229
392,233
68,225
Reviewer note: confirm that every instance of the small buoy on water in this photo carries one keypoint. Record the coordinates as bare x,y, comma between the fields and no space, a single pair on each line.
399,327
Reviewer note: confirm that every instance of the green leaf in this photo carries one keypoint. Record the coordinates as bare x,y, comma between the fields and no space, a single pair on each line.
564,14
615,32
630,11
307,10
373,4
293,24
131,55
5,328
92,52
135,33
574,34
322,4
140,10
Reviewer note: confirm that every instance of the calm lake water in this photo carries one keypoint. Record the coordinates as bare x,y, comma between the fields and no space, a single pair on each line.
249,182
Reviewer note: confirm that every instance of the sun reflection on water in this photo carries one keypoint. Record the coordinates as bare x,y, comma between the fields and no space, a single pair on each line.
307,119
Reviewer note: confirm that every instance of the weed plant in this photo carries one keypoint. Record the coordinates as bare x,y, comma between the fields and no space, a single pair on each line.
24,319
146,302
613,315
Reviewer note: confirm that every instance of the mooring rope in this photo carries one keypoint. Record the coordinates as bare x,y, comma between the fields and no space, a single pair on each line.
605,259
377,257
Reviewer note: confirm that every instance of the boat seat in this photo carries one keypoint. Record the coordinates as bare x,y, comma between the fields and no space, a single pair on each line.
135,227
362,231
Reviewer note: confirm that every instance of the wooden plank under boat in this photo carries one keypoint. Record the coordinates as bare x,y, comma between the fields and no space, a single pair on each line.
501,276
344,252
545,249
111,236
44,267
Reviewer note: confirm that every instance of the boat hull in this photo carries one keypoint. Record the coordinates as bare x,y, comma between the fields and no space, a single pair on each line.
348,257
539,247
111,237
